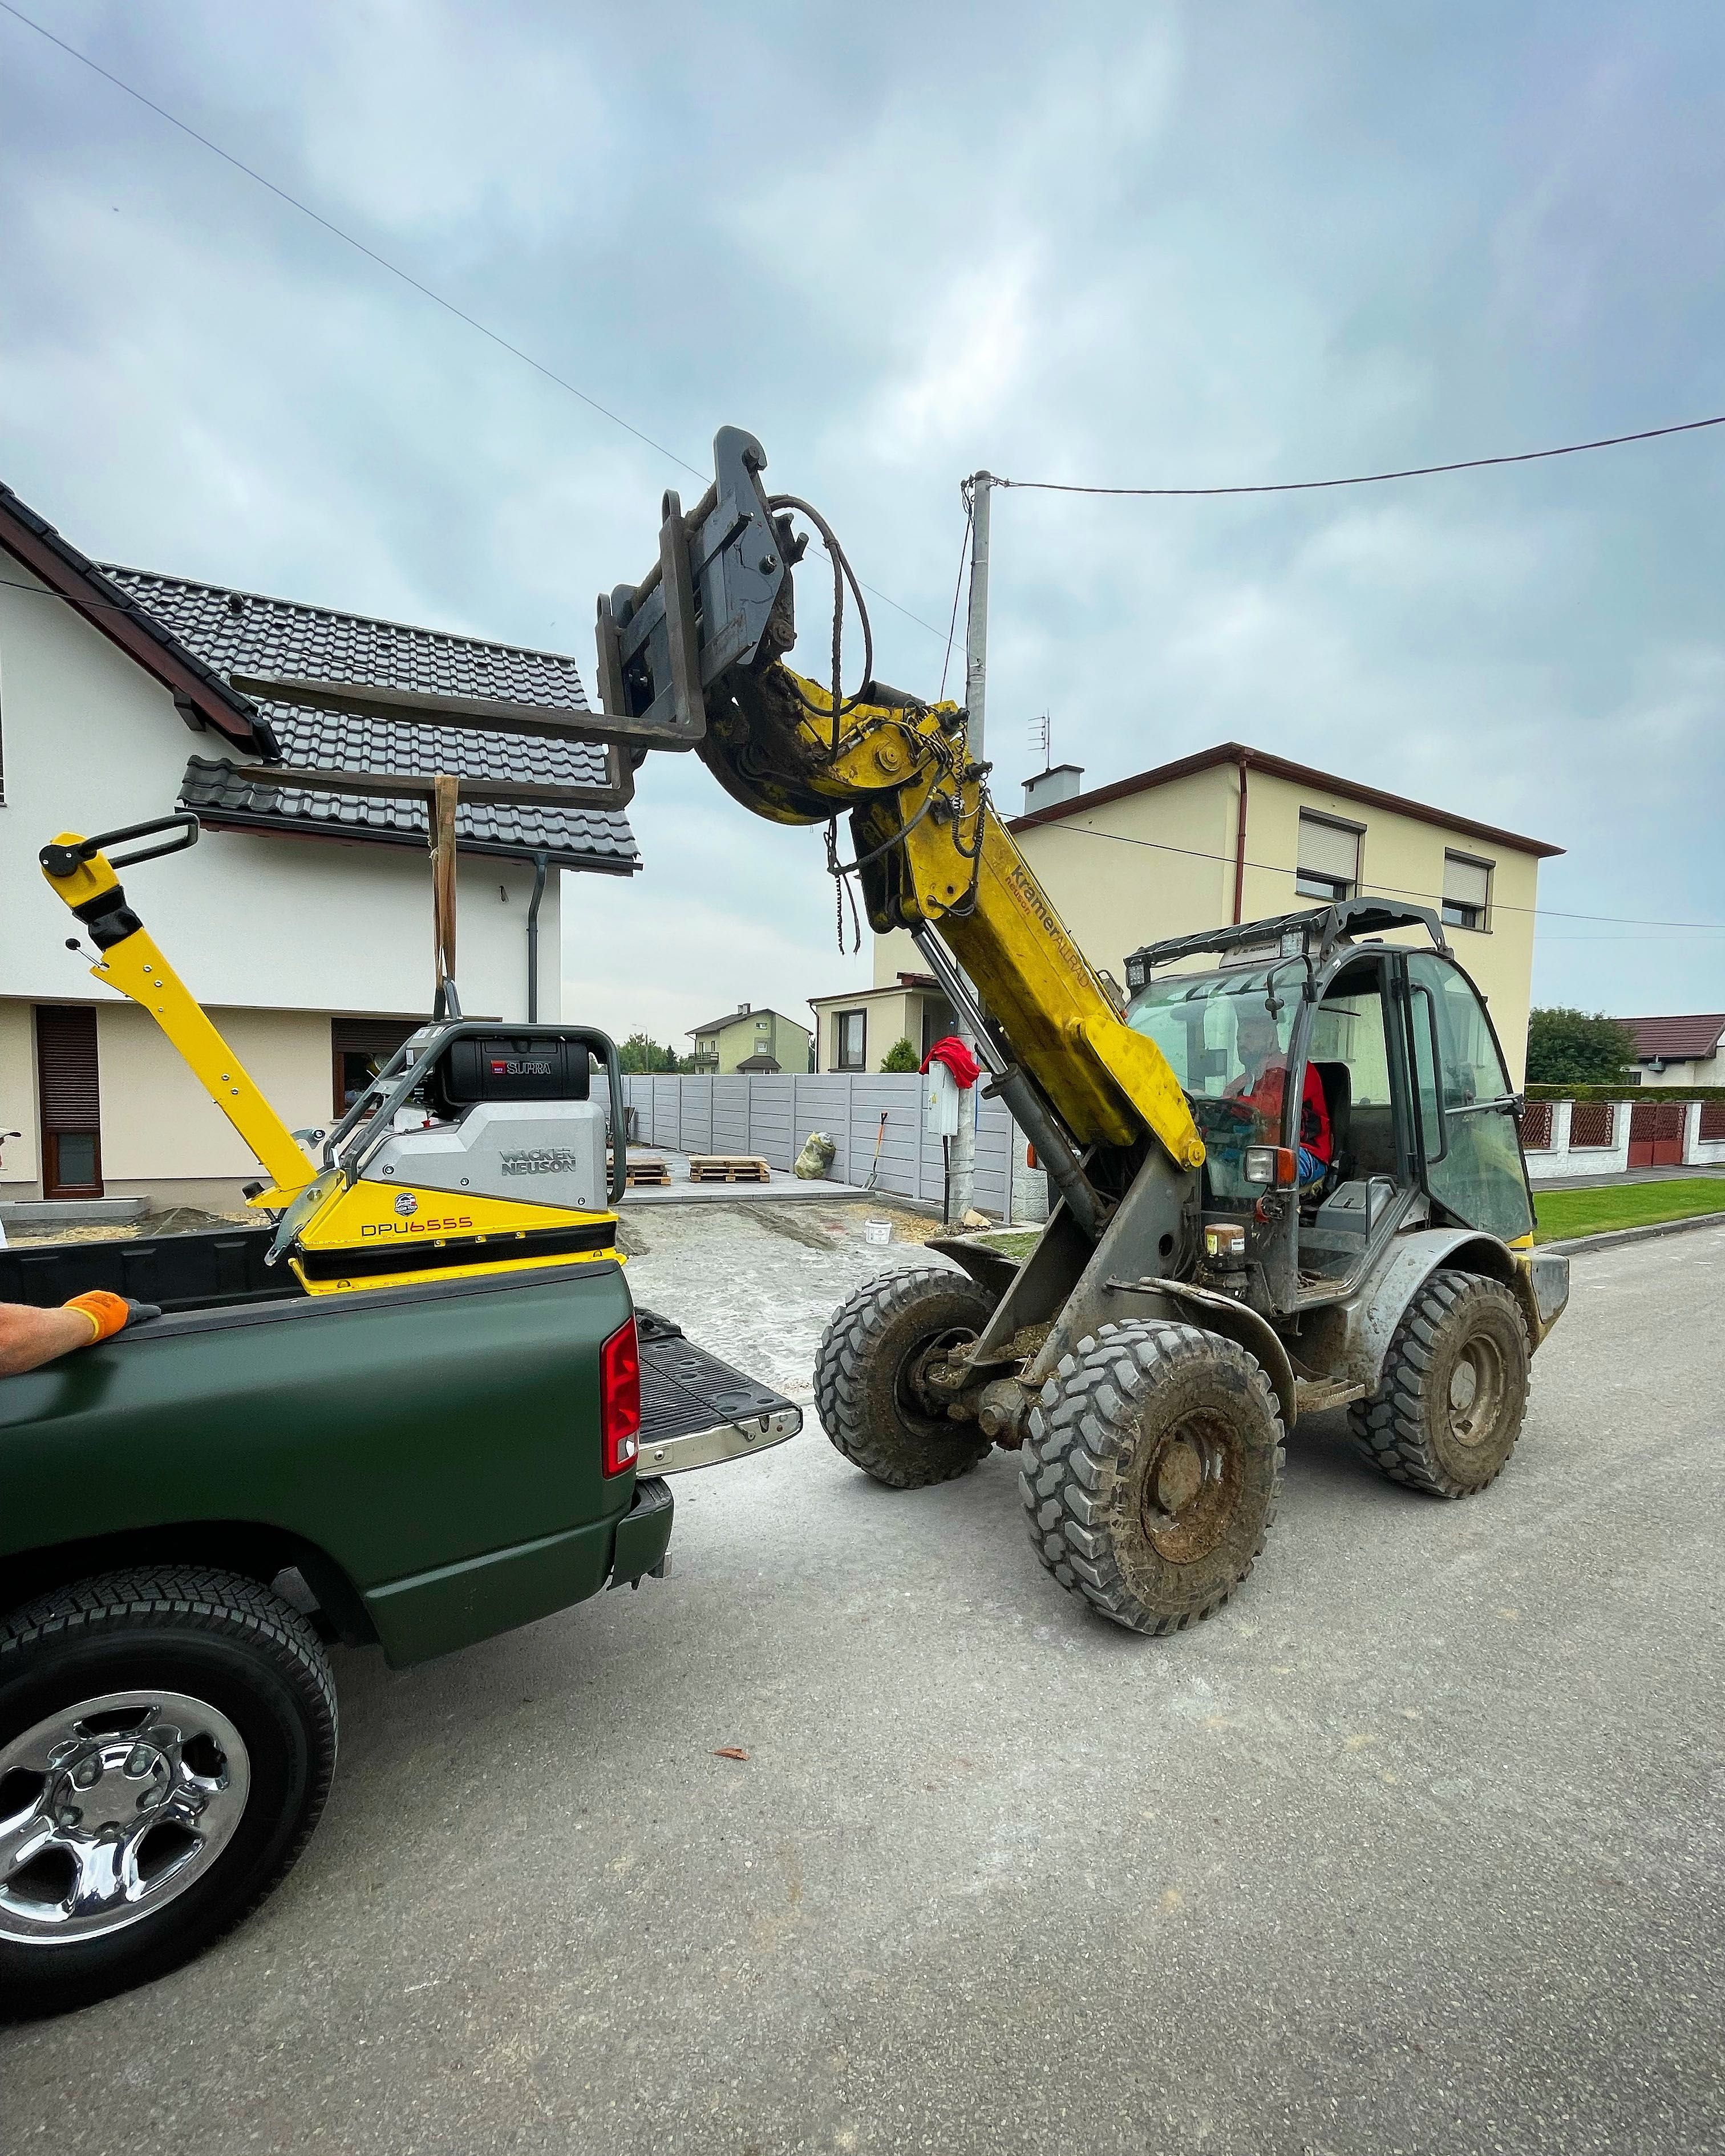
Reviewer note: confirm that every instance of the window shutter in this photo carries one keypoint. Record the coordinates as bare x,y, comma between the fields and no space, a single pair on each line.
1327,849
1467,883
66,1063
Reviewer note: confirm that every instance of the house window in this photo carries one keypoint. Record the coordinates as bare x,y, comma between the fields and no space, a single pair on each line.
1467,891
1328,862
70,1094
850,1039
360,1048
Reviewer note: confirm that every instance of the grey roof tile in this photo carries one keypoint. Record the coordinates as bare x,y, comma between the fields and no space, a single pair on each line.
258,635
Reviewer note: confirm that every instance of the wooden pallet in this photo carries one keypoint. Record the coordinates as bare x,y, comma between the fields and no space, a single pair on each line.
647,1175
727,1168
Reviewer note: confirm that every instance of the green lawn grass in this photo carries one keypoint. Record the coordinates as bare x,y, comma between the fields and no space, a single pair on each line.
1564,1212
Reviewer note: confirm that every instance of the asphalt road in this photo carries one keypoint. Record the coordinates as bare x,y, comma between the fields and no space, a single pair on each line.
1418,1846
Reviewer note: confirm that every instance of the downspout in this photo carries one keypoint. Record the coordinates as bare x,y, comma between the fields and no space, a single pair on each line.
1239,847
541,861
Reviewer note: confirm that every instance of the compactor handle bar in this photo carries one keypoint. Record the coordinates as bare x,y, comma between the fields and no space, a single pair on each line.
61,860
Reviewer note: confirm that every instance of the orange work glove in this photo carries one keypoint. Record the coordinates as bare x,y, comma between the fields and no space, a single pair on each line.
107,1312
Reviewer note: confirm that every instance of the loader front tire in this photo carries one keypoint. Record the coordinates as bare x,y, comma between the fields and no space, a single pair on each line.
1448,1405
866,1377
1151,1471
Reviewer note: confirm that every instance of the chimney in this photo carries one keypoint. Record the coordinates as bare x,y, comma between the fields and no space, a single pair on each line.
1063,782
741,1010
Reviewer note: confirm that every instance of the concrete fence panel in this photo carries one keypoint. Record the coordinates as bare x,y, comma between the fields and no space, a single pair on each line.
771,1115
730,1115
694,1116
772,1120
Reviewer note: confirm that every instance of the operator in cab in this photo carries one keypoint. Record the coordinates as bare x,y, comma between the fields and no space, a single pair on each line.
1261,1083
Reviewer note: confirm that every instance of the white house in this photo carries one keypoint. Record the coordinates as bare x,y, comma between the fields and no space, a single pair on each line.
301,919
1679,1051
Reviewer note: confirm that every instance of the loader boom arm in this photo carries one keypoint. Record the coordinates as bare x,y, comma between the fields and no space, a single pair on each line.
693,658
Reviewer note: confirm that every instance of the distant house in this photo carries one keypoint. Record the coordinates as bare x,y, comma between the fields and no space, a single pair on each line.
1679,1051
858,1031
302,920
742,1038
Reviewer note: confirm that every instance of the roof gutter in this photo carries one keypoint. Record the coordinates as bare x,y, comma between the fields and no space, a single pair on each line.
540,861
1239,843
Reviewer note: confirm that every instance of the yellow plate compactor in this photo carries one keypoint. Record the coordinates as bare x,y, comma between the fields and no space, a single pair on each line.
476,1148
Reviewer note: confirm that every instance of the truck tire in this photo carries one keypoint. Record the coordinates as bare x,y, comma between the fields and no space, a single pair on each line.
864,1377
1151,1471
167,1737
1448,1405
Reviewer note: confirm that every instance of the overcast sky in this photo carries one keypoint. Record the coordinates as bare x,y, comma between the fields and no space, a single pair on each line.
1130,244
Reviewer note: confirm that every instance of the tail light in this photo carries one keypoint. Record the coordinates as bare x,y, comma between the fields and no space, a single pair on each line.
620,1398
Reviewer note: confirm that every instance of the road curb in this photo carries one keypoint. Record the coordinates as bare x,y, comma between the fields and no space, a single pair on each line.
1615,1235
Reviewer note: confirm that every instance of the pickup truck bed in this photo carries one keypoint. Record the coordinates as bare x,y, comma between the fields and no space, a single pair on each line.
440,1438
685,1390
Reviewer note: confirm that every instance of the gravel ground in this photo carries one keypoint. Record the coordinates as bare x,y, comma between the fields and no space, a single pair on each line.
1417,1846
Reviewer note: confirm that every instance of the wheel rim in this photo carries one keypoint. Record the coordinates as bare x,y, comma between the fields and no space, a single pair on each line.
907,1386
1477,1390
1191,1488
111,1809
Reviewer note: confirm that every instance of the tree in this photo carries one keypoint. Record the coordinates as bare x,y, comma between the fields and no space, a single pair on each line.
900,1056
641,1054
1568,1048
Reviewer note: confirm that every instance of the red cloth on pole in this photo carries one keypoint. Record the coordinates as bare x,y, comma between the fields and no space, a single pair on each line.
957,1058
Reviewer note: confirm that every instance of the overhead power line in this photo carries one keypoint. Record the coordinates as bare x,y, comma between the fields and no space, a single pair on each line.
394,268
1390,890
1154,846
1365,479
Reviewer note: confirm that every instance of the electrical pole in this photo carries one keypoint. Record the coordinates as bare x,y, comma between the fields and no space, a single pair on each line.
962,1184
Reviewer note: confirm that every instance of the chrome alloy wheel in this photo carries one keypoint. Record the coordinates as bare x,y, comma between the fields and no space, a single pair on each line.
112,1808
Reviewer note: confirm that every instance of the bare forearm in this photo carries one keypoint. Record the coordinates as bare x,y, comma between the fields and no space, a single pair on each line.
29,1337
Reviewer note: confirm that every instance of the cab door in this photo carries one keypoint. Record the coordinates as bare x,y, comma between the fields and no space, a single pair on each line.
1469,1144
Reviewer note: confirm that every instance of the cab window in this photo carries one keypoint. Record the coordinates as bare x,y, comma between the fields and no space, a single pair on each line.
1473,1154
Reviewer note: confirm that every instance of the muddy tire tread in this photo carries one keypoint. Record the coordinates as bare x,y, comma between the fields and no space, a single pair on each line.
1390,1427
1077,1429
841,1379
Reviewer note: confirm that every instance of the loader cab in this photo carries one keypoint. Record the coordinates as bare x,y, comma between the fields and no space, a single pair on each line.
1421,1119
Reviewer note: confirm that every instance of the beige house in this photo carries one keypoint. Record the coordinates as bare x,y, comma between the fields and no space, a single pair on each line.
748,1039
1235,833
857,1032
301,919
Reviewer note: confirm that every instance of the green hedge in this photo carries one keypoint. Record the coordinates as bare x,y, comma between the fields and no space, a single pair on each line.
1625,1092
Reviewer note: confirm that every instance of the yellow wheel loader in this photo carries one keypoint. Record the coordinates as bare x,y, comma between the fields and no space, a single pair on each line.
1196,1288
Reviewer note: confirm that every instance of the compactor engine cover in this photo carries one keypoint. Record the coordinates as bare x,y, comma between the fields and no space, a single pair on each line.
542,1153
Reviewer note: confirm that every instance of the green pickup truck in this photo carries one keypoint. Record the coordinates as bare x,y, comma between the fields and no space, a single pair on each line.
193,1511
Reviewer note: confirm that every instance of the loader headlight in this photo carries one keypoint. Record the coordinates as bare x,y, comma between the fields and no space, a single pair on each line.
1272,1164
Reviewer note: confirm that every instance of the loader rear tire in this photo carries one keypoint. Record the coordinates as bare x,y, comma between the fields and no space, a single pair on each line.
1152,1470
866,1377
1448,1405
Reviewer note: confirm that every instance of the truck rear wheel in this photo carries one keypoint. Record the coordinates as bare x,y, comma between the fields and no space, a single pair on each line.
167,1737
1152,1470
868,1388
1448,1405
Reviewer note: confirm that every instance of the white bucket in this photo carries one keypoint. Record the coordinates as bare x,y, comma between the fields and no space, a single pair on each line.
877,1231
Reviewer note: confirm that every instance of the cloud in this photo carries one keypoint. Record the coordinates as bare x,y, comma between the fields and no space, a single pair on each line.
1165,245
